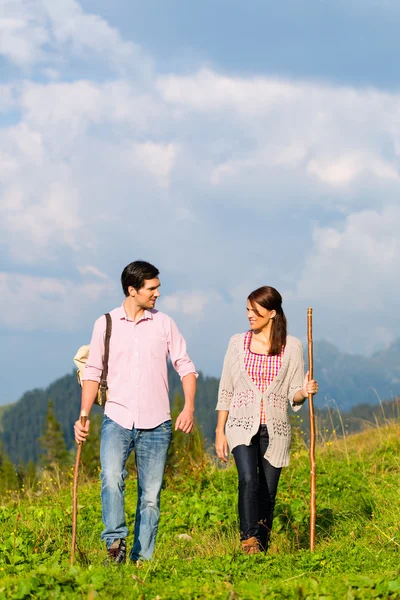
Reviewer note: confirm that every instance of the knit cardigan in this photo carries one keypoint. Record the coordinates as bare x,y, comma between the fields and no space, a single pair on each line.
240,396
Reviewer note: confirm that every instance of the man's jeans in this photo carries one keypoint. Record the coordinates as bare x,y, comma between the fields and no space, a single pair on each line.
258,484
151,449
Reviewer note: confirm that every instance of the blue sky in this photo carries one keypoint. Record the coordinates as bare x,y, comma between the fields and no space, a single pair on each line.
233,144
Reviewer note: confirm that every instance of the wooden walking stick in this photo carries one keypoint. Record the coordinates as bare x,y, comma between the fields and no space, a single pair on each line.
313,483
75,492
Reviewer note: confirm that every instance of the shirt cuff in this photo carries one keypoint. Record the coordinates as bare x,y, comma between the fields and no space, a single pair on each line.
91,375
183,374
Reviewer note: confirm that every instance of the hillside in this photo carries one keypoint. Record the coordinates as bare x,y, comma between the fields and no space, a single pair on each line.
2,411
356,555
22,423
346,381
353,379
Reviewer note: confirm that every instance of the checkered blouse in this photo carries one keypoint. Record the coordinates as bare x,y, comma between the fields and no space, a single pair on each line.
262,368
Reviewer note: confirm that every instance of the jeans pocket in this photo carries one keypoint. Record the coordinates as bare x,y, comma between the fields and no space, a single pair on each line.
104,422
167,425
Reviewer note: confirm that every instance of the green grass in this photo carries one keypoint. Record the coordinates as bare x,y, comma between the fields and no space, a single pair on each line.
356,556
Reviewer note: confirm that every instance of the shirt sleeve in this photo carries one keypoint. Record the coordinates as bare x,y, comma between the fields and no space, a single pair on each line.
94,364
177,351
225,390
296,383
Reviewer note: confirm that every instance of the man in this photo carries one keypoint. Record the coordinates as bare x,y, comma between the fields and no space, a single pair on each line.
137,413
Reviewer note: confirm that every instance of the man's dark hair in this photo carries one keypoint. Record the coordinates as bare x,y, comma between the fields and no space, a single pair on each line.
136,273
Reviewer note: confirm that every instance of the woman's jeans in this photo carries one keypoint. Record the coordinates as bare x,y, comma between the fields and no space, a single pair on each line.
258,483
151,449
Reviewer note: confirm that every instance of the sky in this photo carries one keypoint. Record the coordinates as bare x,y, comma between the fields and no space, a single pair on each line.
232,144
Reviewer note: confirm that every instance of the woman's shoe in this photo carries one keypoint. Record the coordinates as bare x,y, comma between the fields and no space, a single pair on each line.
251,546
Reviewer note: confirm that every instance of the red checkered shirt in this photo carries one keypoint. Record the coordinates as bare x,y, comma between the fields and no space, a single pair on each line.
262,368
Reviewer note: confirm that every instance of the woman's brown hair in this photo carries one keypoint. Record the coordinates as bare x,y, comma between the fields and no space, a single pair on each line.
269,298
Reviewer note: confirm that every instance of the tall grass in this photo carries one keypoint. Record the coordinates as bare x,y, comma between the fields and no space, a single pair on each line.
198,552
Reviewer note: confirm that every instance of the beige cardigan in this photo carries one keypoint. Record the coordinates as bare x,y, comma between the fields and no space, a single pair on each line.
240,396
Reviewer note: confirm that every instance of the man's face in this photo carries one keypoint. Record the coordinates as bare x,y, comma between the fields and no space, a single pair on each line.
147,295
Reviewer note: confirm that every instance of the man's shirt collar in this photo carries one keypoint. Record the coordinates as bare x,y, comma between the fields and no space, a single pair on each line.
121,314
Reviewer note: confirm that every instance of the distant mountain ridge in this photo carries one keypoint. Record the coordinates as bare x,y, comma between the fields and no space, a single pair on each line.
344,380
351,379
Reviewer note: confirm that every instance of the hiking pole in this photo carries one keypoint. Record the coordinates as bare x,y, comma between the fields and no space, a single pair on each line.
313,483
75,491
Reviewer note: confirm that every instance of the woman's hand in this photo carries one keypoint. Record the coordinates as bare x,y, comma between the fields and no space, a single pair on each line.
309,387
221,445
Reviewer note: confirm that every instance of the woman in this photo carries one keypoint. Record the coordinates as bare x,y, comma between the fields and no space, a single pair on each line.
263,371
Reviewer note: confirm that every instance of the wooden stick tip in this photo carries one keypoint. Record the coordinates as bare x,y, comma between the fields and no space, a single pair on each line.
83,413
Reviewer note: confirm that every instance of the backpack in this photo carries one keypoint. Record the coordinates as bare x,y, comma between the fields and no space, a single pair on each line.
80,360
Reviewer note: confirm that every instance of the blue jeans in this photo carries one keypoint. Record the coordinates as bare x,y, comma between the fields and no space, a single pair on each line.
258,484
151,449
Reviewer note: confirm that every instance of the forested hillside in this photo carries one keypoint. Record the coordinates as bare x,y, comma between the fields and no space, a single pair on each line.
22,423
346,381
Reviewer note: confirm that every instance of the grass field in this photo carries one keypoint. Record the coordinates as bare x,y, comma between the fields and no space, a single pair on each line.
357,550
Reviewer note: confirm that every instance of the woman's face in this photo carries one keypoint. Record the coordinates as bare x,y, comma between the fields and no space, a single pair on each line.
262,319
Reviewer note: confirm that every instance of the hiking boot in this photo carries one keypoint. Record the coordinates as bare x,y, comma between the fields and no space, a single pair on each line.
116,553
251,546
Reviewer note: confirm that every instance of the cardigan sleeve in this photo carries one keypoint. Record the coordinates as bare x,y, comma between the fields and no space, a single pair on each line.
225,390
297,379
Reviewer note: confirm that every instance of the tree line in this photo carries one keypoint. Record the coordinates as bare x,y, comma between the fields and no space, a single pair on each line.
55,460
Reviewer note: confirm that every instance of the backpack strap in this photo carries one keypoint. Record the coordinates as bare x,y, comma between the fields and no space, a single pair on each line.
103,381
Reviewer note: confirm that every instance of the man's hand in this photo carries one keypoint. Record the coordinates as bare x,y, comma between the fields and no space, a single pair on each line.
185,421
221,445
81,431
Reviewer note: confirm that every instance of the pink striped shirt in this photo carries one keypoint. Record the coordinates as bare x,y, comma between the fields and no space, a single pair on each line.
137,366
262,369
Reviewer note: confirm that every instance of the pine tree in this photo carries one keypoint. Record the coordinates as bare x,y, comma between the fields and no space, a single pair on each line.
91,448
54,455
8,473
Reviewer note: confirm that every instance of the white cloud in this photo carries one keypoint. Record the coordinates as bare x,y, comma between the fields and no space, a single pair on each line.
21,37
187,303
45,303
30,303
43,31
39,203
346,168
157,159
207,91
209,174
90,270
353,266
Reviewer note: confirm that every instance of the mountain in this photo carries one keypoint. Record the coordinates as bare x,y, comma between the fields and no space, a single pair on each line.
345,381
350,379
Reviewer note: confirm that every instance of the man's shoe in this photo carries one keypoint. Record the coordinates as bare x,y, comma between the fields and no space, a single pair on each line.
251,546
116,553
